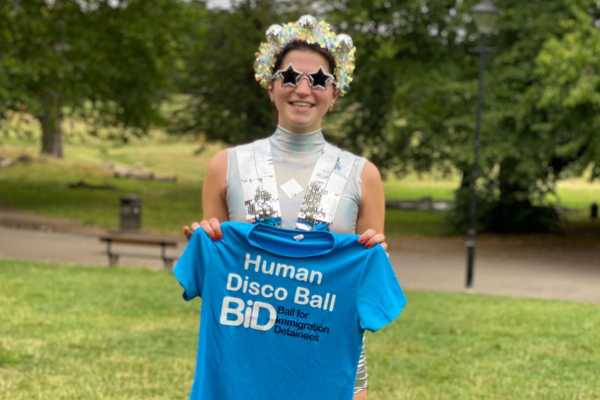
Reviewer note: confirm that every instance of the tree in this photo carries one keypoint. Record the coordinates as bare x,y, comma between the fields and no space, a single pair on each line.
93,58
227,103
415,96
569,73
411,64
537,141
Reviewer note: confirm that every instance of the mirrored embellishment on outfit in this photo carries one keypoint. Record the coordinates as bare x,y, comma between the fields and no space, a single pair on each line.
259,185
291,188
324,189
311,210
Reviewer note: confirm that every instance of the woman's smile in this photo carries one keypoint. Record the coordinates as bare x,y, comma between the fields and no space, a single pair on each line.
301,107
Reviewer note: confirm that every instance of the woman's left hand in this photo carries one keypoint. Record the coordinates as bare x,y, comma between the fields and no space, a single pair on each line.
370,238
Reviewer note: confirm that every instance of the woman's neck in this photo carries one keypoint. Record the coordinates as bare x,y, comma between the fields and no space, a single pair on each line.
298,142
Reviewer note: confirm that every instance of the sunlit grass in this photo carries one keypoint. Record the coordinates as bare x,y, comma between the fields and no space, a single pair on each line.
164,155
70,333
416,223
99,333
573,193
578,193
43,187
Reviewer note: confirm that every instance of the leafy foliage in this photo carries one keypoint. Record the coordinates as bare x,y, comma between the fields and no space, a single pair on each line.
227,103
109,62
416,88
569,71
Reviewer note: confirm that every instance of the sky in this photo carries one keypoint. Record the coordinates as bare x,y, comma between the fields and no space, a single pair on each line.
218,3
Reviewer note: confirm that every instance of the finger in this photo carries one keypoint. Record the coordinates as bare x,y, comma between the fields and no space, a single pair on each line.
208,229
379,238
384,245
376,239
190,231
367,235
216,227
187,232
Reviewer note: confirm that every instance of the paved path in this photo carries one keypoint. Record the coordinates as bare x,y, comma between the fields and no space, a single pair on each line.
553,272
75,249
544,271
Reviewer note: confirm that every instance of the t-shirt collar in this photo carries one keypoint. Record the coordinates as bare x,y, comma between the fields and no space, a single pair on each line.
291,243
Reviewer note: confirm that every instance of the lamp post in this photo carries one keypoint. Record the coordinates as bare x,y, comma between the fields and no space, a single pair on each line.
485,16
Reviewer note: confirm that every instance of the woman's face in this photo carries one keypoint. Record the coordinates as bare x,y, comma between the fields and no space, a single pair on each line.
301,108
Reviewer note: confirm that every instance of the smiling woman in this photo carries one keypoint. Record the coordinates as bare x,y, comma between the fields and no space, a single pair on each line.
294,179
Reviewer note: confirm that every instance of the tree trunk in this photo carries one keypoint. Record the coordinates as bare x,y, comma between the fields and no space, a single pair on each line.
50,122
510,191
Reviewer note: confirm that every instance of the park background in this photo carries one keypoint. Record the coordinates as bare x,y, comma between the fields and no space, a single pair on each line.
154,88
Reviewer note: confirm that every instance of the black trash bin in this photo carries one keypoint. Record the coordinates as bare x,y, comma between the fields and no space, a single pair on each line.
131,213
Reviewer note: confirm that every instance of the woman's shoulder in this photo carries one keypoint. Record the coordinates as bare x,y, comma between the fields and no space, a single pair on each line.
218,163
219,157
370,172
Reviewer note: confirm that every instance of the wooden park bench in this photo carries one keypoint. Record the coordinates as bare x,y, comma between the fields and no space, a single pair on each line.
139,239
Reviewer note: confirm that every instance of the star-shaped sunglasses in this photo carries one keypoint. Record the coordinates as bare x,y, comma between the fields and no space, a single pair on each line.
291,77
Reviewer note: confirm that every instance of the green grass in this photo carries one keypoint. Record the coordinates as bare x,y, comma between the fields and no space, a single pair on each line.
478,347
415,186
43,186
98,333
573,193
416,223
578,193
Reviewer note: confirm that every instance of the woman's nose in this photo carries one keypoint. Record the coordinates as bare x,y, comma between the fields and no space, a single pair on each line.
303,87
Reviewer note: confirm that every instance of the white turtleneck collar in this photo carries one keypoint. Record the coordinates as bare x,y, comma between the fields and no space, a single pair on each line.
285,140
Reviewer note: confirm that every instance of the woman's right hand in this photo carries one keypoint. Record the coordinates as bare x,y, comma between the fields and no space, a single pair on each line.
212,227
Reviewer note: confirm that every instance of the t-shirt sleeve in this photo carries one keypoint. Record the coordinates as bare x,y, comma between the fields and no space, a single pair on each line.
191,267
380,298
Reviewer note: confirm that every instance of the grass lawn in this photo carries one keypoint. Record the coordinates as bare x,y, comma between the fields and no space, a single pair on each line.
98,333
42,187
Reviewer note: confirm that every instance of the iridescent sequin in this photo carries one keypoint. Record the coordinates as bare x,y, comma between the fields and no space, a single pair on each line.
308,30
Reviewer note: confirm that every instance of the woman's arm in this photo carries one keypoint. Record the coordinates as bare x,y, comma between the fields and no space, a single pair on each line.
371,211
214,204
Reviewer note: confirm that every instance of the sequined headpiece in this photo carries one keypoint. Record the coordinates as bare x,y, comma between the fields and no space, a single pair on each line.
309,30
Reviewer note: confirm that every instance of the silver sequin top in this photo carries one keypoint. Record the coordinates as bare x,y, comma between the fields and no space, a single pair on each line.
294,157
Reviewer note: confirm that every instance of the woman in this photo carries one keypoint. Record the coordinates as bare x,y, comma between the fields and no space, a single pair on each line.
285,180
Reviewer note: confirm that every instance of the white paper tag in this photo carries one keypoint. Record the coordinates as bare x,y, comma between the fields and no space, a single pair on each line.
299,237
291,188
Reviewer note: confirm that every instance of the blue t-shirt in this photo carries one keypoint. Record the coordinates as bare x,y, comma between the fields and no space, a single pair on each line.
284,312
